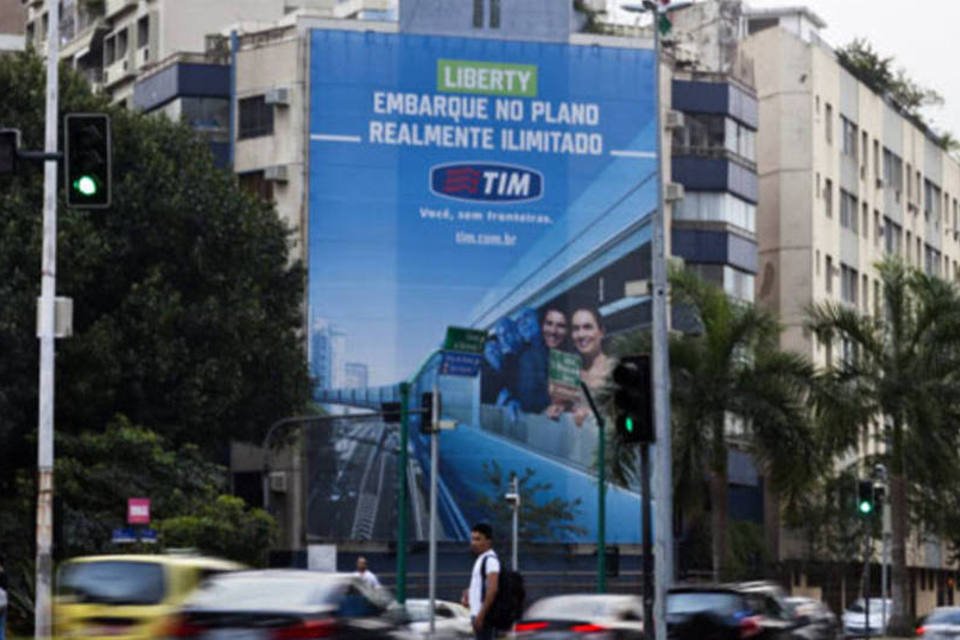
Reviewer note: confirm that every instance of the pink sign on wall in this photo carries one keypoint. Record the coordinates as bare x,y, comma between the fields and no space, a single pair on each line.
138,510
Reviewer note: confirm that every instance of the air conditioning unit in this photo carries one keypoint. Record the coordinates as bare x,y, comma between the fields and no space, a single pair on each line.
673,120
672,192
278,481
279,97
276,173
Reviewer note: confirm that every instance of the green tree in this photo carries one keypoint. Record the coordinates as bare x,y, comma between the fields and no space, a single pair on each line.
901,369
188,309
223,527
729,372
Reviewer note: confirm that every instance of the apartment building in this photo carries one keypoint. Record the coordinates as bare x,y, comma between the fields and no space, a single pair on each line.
113,42
846,177
12,16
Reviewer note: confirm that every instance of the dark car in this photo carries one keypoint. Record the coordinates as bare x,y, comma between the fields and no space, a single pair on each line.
731,612
583,616
283,604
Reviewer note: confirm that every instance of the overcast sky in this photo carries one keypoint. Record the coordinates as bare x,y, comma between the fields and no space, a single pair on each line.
921,35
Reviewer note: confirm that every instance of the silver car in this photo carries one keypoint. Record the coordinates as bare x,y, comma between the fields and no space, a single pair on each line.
582,616
942,624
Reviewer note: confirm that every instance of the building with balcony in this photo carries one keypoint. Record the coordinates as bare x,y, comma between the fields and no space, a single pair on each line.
12,17
846,177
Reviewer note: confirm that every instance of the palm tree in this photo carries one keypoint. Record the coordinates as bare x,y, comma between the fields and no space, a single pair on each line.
730,371
902,368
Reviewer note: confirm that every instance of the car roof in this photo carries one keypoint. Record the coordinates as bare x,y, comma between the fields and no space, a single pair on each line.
289,574
156,558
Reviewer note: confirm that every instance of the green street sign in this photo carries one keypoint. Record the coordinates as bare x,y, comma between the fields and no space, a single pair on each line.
464,340
564,375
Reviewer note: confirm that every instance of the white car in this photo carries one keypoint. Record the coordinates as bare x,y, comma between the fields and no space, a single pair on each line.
855,618
451,619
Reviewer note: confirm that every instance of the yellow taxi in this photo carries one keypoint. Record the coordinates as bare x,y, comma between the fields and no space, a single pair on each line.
126,597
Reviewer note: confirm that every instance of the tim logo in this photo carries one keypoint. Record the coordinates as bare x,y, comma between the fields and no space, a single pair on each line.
486,182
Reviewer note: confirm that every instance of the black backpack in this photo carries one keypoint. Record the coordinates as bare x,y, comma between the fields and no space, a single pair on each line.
507,605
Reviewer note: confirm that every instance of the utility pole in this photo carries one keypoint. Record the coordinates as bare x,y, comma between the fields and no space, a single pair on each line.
43,621
434,472
601,491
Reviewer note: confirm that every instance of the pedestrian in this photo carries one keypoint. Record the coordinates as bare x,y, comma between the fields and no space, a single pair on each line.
364,573
484,580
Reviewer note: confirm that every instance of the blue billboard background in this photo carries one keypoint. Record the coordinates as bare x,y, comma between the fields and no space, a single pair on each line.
461,182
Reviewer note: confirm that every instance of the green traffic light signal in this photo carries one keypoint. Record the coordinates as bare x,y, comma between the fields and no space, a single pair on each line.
628,424
865,507
86,185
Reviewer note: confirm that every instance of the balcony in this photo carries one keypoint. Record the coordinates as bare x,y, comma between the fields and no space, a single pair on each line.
114,7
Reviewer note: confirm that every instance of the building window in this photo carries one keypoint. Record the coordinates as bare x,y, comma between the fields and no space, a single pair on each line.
892,236
256,117
828,274
849,140
494,14
864,154
848,284
818,262
931,202
865,226
828,196
877,229
877,171
714,135
256,184
828,122
478,14
876,298
848,211
143,32
893,171
121,43
716,207
109,50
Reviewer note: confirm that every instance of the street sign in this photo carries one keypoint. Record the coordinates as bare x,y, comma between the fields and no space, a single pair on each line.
138,511
564,375
149,536
464,340
125,535
460,364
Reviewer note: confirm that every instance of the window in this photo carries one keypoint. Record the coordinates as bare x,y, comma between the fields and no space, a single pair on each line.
255,183
210,117
714,135
865,288
143,32
849,140
908,248
876,298
121,43
848,284
877,170
932,202
256,117
828,273
818,262
909,183
848,211
477,14
892,235
877,229
864,154
828,122
931,261
892,171
865,226
494,14
828,196
716,207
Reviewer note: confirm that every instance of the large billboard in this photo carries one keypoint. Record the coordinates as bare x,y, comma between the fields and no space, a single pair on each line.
499,185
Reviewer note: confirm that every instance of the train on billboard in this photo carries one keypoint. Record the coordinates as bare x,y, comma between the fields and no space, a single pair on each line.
500,185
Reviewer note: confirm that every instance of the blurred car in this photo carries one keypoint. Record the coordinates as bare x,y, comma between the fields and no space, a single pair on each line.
823,622
451,620
943,623
126,596
855,617
731,612
585,616
282,604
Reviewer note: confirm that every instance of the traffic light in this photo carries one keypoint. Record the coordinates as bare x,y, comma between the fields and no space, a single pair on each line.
633,398
865,497
426,411
9,144
88,160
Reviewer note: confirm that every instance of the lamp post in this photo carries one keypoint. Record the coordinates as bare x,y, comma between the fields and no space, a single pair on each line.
663,534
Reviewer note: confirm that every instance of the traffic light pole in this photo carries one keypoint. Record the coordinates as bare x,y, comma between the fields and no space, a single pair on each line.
602,491
647,526
46,332
402,492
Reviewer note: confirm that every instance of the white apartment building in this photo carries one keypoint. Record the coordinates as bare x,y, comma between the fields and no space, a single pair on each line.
11,26
114,41
845,178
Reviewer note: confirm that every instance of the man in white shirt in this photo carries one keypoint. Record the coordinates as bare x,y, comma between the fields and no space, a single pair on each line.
365,574
483,581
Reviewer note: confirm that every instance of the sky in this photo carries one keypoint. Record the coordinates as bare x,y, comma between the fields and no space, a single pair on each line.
918,34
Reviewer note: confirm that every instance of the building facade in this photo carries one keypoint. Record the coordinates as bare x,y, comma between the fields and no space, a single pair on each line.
12,17
846,178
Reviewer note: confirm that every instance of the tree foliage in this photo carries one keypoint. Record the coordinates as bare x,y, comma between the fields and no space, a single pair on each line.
187,308
898,373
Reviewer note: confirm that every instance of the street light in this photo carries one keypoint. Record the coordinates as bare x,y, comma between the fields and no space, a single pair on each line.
663,540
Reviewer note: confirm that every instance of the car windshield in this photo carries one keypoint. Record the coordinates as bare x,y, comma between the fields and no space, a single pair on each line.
113,582
242,593
697,601
876,605
573,608
949,616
